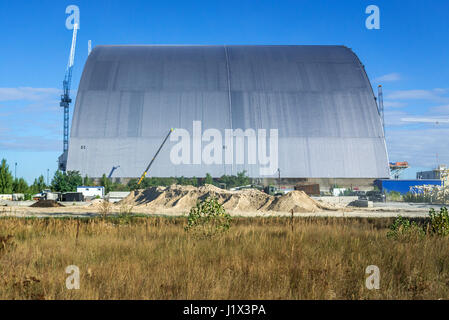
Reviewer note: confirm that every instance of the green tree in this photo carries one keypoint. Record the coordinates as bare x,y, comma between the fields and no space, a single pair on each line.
241,179
209,179
194,182
6,179
132,184
119,187
87,181
106,183
66,181
38,185
20,186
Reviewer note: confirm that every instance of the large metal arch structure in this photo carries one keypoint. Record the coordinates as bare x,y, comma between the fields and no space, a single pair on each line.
319,98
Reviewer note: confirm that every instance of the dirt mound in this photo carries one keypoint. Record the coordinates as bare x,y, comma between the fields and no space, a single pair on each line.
182,198
46,204
298,201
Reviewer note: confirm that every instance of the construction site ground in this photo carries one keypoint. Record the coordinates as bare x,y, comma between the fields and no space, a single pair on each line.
177,201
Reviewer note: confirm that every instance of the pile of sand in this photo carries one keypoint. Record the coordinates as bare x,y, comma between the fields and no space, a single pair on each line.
46,204
182,198
298,201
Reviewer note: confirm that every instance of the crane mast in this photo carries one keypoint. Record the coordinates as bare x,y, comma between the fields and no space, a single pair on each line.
66,100
380,97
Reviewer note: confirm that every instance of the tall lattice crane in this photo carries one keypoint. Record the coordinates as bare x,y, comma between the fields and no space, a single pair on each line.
66,100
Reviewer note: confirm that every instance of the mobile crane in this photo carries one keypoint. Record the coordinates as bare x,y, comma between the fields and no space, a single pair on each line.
152,160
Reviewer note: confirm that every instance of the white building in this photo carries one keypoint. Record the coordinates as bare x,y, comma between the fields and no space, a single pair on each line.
116,196
91,192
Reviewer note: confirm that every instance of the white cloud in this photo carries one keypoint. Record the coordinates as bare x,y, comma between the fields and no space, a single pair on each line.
440,109
437,95
394,104
33,117
388,77
419,146
426,120
28,93
29,143
393,117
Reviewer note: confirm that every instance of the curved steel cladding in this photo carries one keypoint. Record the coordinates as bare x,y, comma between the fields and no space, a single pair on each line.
316,98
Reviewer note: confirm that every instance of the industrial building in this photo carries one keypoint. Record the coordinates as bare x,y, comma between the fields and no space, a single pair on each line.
404,186
308,111
437,173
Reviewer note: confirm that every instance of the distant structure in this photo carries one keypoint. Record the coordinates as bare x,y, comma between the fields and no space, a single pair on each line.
396,168
437,173
318,98
404,186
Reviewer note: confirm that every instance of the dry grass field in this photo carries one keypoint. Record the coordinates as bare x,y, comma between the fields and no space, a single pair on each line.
258,258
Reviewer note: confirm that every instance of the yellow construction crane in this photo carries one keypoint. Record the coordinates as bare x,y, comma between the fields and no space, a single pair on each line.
152,160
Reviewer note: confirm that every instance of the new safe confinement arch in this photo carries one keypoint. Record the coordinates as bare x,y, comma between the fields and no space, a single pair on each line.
308,110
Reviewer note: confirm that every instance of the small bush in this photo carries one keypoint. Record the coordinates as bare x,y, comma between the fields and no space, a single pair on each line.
394,196
437,225
126,209
439,221
417,198
403,228
208,218
105,208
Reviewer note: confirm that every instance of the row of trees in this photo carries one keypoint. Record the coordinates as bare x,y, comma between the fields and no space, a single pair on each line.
68,181
230,181
18,185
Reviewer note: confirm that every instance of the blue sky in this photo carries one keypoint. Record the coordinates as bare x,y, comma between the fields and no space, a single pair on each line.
408,55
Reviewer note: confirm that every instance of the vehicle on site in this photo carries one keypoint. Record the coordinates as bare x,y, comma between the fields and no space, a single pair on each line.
273,191
361,194
46,194
375,196
311,189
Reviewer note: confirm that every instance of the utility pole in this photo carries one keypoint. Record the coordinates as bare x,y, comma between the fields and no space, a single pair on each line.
279,179
15,171
48,170
224,162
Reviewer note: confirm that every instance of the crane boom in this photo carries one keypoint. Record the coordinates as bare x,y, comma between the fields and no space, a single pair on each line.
152,160
66,100
112,171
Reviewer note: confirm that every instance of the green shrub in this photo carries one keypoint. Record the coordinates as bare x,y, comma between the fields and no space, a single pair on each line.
419,198
439,221
394,196
208,218
403,228
438,224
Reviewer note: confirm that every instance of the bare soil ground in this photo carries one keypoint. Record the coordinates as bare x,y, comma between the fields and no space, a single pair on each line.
177,200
